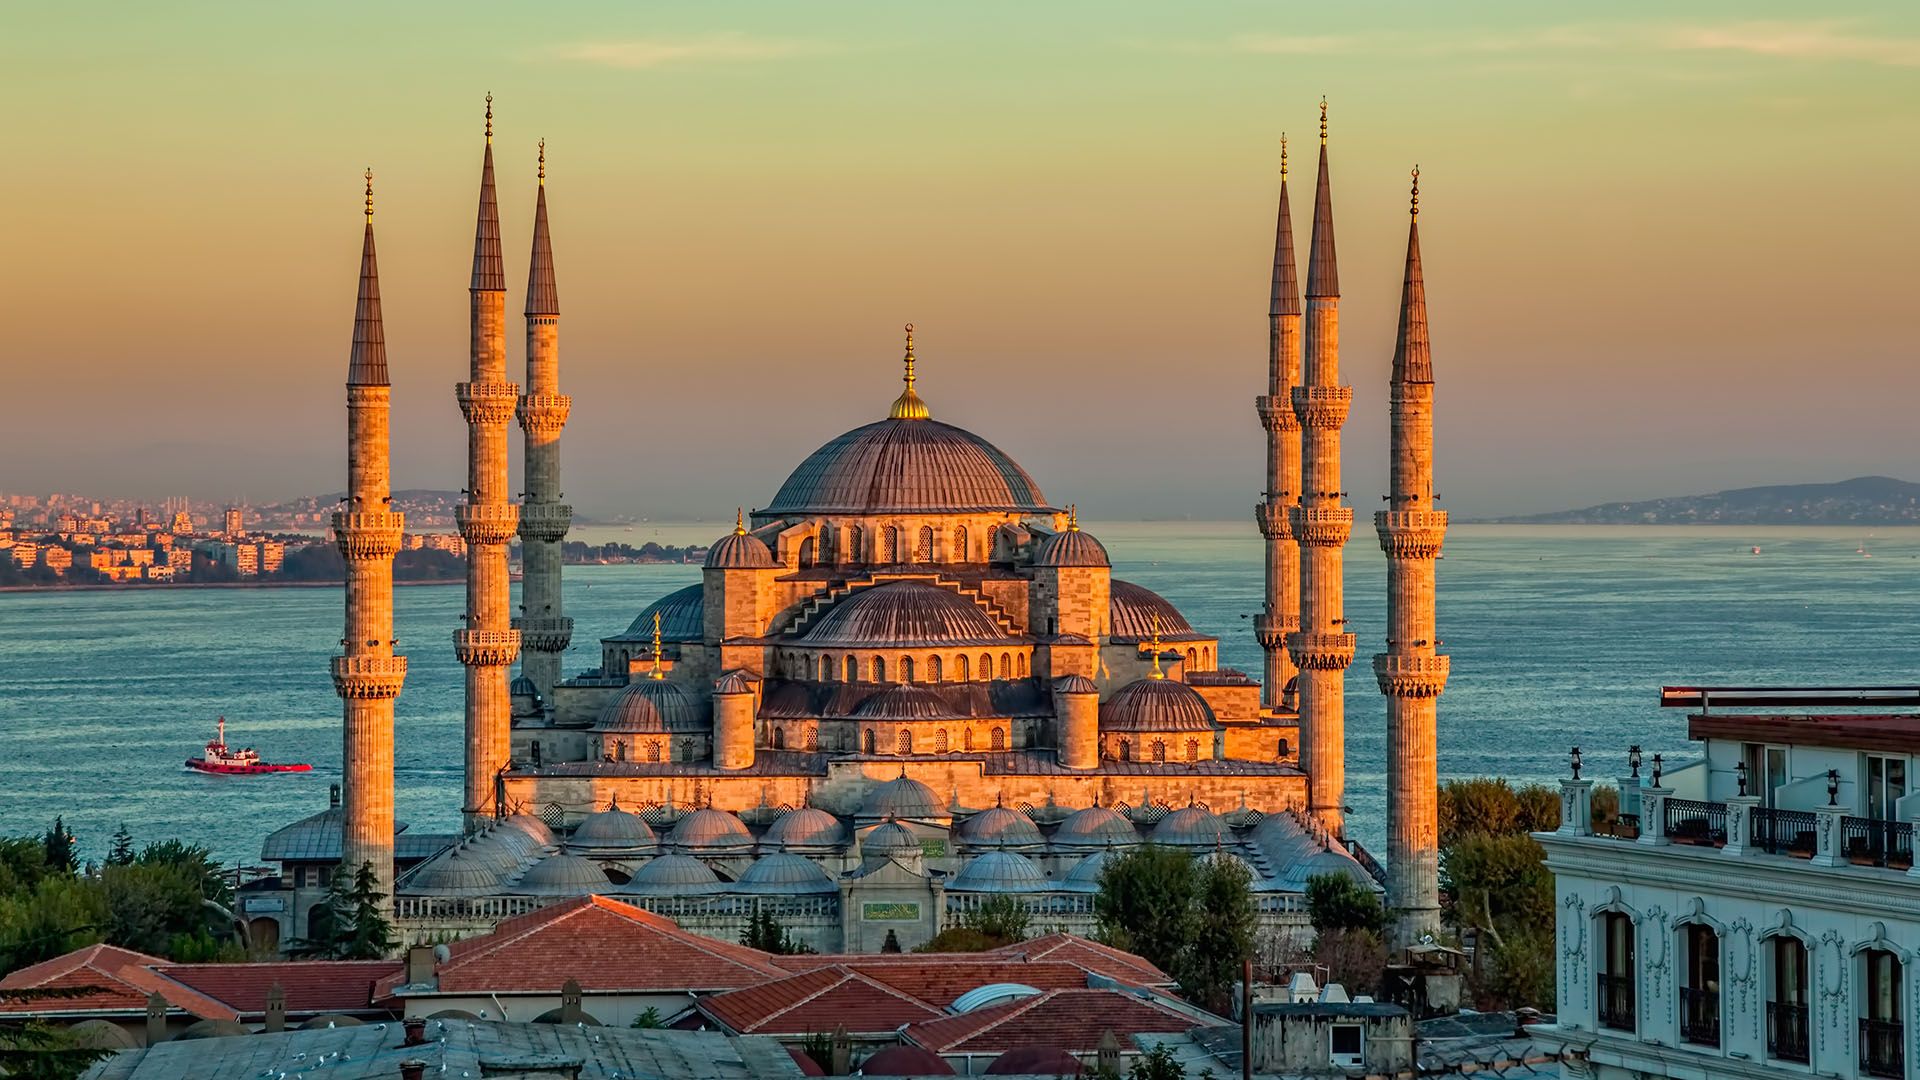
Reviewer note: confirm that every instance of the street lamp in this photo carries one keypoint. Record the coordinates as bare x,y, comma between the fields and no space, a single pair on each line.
1575,757
1656,770
1740,770
1633,759
1833,787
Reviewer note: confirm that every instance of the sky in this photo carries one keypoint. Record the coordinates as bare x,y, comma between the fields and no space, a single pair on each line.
1667,246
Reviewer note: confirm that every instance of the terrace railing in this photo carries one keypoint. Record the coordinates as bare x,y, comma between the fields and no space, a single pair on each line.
1690,821
1787,1032
1883,1048
1616,1002
1877,842
1784,832
1700,1016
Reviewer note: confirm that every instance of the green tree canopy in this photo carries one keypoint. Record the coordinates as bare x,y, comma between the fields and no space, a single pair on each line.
1338,902
1192,918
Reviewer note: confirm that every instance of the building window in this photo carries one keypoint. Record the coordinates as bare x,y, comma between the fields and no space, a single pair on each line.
960,668
1766,770
1284,750
856,540
999,738
1700,997
906,669
933,669
869,741
986,666
1886,786
853,669
620,750
1022,661
1346,1045
940,741
653,752
1616,971
890,545
813,739
1193,749
1126,750
879,669
1193,659
1006,666
967,735
993,540
686,751
806,553
1159,750
1787,1000
826,669
779,738
924,553
1883,1043
904,742
960,544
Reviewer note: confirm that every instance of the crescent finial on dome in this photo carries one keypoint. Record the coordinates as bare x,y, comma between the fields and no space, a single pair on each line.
656,673
908,405
1155,646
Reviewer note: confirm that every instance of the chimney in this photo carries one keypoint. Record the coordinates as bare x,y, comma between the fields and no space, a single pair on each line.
276,1007
416,1031
156,1019
333,796
570,1011
1107,1054
842,1052
420,965
413,1069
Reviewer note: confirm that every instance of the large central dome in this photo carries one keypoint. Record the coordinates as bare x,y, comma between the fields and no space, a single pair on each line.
908,465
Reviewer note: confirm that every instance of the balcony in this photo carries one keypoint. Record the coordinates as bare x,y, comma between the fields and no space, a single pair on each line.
1616,1002
1787,1032
1873,842
1883,1048
1784,832
1700,1016
1690,821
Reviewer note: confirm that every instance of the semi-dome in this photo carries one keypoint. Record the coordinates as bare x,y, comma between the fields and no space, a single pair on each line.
1096,825
1131,613
908,465
710,830
1070,548
806,827
1191,826
782,874
456,871
1157,705
734,681
672,875
653,706
739,550
903,797
891,839
611,830
905,614
562,874
1075,684
683,617
999,827
999,872
908,701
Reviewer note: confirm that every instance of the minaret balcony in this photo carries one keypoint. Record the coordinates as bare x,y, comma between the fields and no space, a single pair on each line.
1322,406
1272,630
1410,534
368,534
369,678
1322,526
1274,520
487,404
1414,675
487,523
1276,413
1322,652
486,648
544,634
544,414
546,522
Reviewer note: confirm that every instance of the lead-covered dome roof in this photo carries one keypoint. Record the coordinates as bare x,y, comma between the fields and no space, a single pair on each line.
1131,610
611,830
671,875
709,830
905,614
998,872
808,826
653,706
1156,705
1191,826
562,874
908,701
739,550
1096,825
783,874
902,797
683,614
1070,548
890,838
999,827
908,465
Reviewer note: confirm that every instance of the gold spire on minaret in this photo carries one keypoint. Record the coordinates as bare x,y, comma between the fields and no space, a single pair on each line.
908,405
656,673
369,194
490,117
543,163
1283,157
1323,120
1155,646
740,521
1415,210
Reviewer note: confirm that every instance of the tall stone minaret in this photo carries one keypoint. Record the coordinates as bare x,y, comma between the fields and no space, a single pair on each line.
1322,647
544,626
367,675
488,644
1411,672
1282,614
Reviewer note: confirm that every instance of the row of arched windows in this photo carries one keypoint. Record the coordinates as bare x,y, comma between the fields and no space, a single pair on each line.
892,547
652,749
1158,750
960,667
903,742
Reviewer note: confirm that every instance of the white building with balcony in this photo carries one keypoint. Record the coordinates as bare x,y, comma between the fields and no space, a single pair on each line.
1755,912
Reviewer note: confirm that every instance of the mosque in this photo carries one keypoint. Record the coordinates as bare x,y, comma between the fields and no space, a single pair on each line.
907,683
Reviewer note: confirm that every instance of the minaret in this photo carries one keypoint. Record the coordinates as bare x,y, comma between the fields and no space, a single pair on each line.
1411,672
488,644
544,627
1282,614
1322,647
367,675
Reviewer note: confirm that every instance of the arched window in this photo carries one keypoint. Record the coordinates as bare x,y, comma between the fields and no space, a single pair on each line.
1006,666
813,740
806,552
1883,1050
1787,999
620,750
986,666
856,544
1022,661
779,738
968,740
993,540
686,751
890,546
879,669
1700,985
999,738
903,742
827,545
1159,750
933,669
1193,658
960,668
1126,750
653,751
1206,657
960,544
906,669
1193,750
868,741
924,552
826,669
1284,750
853,669
1615,966
940,741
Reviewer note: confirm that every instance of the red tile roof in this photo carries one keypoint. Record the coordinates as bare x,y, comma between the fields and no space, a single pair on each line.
311,986
815,1001
118,980
607,946
938,978
1091,955
1072,1020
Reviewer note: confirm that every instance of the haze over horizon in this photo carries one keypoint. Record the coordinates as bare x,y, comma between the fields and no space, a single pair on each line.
1666,253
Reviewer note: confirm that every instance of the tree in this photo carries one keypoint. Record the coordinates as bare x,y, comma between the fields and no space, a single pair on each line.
1003,918
1223,932
122,852
1356,959
1156,1064
764,932
60,855
196,862
350,924
1520,969
1498,883
649,1018
1338,902
148,906
1145,903
58,914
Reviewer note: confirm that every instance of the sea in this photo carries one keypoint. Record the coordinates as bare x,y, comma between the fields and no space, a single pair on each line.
1560,636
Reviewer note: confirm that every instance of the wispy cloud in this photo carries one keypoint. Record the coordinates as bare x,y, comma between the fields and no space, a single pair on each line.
1826,40
643,53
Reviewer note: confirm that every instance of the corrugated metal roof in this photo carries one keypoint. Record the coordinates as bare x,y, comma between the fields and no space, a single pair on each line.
908,466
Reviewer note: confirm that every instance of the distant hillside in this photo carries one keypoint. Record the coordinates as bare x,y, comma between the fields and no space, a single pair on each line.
1864,500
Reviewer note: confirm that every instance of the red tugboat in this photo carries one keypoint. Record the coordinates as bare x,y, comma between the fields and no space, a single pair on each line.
219,759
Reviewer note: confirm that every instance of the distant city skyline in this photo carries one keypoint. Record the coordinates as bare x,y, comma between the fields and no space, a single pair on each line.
1666,250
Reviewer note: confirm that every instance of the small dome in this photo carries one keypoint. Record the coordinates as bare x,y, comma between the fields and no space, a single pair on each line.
1074,684
504,857
1085,875
217,1029
1191,826
1131,612
457,871
782,874
907,702
672,875
612,830
808,826
906,1060
653,706
559,1016
905,614
1070,548
683,617
998,827
563,875
891,839
532,826
1035,1061
999,872
331,1020
1096,825
522,686
1157,705
97,1034
710,830
739,550
904,797
734,682
1294,876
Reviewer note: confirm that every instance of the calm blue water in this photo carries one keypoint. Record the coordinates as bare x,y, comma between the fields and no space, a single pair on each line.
1558,636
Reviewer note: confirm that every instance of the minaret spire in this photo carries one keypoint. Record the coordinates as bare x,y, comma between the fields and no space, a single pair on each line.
1412,673
367,675
1321,524
545,629
1281,613
488,644
908,405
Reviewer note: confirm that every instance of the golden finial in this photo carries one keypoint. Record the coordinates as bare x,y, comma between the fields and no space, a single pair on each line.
489,118
908,405
1283,157
1155,646
1323,120
656,673
369,194
1415,211
1073,517
739,521
543,163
